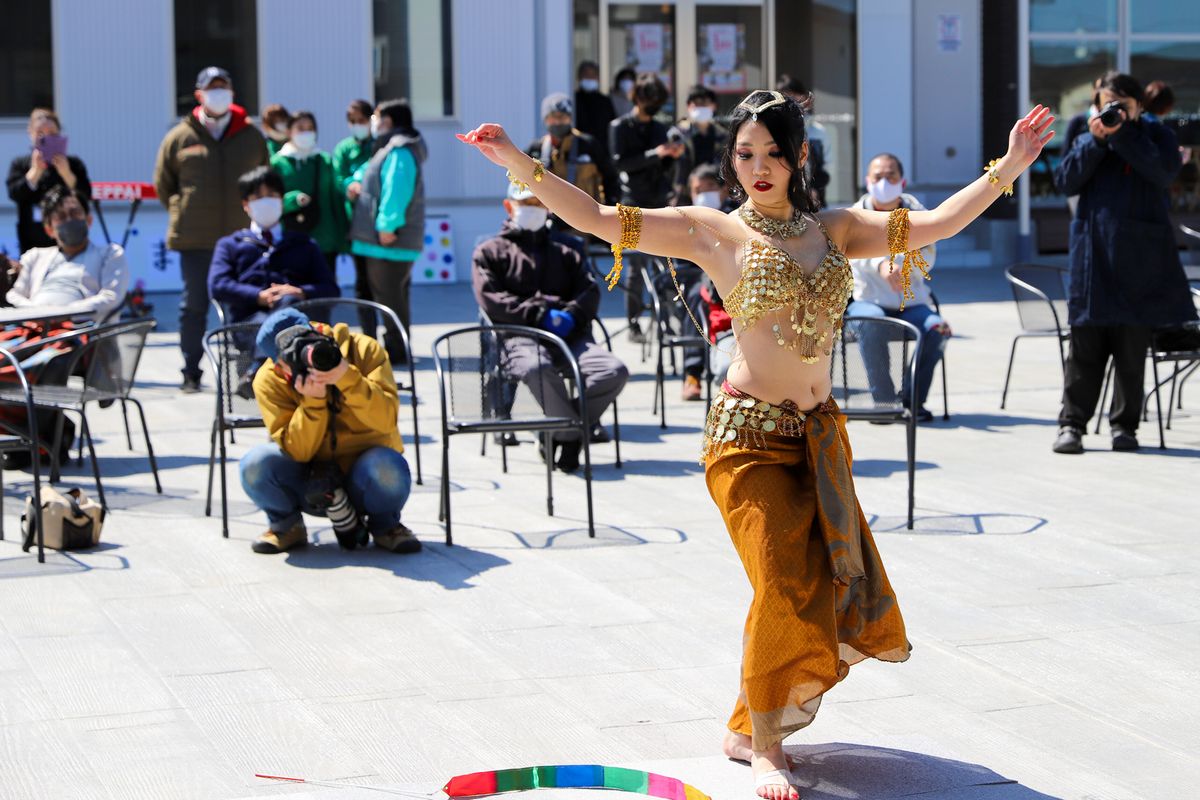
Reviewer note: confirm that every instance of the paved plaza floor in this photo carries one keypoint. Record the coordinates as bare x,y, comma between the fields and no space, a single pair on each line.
1052,603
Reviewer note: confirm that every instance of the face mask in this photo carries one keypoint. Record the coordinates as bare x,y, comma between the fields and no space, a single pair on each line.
360,131
651,110
377,128
625,86
589,85
71,233
883,191
561,131
701,114
530,218
707,199
217,101
304,140
266,211
280,127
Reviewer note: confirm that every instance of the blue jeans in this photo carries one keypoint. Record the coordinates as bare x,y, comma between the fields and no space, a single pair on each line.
378,485
875,349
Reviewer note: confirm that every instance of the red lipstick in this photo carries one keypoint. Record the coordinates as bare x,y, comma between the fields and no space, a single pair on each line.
762,186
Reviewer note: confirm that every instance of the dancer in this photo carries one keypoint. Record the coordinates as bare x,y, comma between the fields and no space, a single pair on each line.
777,459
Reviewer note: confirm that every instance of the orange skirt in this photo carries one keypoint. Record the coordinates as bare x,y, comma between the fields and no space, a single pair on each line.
822,600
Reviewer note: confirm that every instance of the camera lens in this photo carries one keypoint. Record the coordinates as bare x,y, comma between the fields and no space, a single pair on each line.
1111,115
322,355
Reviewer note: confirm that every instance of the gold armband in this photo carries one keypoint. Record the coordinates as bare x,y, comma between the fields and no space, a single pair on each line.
897,234
631,232
993,176
539,170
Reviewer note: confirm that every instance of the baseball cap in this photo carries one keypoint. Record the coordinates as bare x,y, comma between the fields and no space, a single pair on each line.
557,102
210,74
276,325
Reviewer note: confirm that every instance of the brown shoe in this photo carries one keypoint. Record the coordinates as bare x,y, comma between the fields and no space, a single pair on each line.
398,540
691,388
275,542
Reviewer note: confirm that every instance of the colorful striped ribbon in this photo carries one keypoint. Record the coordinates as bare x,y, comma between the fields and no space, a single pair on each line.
571,776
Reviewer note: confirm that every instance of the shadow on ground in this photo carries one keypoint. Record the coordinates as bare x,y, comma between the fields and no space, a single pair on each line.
840,771
994,524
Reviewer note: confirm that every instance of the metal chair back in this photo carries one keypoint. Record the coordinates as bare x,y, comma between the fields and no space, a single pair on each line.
230,350
24,438
873,368
1040,292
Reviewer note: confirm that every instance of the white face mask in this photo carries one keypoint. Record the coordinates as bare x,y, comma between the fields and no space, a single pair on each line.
304,140
707,199
883,191
589,84
266,211
530,218
280,127
625,86
360,131
701,113
217,101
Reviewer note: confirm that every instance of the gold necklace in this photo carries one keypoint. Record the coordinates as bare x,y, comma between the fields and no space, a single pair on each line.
781,228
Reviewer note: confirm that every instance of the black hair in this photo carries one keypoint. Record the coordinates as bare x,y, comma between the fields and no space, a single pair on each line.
255,179
299,115
361,106
790,85
57,197
1121,85
400,113
700,92
622,74
587,64
1160,98
785,123
706,172
895,159
650,90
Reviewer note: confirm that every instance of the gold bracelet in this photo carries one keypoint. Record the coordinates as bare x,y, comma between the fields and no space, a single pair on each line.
993,176
897,235
539,171
631,232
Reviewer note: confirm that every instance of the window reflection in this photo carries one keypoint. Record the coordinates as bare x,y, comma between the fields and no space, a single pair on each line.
1073,16
1165,16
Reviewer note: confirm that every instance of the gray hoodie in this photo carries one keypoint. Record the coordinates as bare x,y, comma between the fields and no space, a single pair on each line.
366,207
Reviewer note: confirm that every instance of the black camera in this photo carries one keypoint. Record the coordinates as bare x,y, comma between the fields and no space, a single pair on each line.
1113,114
324,493
304,349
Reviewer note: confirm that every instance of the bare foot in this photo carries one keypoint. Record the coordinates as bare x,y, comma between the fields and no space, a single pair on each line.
737,748
772,778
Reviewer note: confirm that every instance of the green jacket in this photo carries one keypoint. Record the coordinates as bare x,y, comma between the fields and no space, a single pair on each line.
348,156
313,176
196,177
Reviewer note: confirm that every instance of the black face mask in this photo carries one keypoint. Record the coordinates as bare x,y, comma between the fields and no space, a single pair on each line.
651,110
72,232
560,131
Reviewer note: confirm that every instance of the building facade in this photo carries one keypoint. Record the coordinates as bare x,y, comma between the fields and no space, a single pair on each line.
937,82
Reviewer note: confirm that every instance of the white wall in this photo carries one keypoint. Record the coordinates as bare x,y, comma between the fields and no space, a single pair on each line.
948,104
885,78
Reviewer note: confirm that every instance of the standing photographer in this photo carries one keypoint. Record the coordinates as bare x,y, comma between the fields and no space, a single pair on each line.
1126,277
329,401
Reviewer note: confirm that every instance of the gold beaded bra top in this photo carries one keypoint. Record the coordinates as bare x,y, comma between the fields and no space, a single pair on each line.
772,281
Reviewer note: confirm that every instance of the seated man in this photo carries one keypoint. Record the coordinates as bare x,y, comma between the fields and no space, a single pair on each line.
261,268
523,277
877,293
329,402
84,278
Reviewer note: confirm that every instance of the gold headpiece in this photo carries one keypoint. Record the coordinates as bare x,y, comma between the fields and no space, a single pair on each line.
778,100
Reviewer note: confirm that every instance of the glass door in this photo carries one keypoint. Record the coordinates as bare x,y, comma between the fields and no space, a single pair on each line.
641,37
730,57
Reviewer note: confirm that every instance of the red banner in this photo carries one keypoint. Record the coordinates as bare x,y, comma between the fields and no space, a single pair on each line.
126,191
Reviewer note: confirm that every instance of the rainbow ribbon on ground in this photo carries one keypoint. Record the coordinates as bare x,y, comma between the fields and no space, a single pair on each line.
571,776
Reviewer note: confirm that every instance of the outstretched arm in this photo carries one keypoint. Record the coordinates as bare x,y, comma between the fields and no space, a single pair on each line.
864,232
664,232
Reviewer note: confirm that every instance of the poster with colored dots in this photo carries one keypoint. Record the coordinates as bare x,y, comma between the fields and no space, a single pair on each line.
436,264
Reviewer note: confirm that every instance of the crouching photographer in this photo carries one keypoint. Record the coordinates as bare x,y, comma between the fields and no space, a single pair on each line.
329,402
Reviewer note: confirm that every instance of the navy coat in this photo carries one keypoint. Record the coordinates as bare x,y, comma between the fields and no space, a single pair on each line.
243,265
1125,267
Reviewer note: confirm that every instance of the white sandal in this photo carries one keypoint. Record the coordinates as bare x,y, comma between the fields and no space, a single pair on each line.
770,779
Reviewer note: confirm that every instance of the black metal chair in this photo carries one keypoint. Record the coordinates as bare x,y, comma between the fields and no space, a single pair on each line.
230,351
937,307
668,309
883,393
352,311
506,388
18,439
107,358
1040,292
465,360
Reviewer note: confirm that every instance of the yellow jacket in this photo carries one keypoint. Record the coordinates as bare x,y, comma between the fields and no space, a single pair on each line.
300,424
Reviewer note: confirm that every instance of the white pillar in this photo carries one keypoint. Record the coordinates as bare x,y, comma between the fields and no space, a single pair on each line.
885,78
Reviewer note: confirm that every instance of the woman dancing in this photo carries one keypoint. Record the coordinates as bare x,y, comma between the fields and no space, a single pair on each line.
776,454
